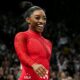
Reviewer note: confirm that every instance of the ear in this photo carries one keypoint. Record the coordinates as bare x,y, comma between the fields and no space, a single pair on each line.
28,20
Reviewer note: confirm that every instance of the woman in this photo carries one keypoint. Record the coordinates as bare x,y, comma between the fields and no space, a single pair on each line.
32,48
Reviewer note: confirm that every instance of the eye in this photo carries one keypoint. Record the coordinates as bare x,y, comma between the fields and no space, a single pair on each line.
44,18
37,17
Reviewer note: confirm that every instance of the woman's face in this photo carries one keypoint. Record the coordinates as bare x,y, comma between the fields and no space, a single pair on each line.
37,20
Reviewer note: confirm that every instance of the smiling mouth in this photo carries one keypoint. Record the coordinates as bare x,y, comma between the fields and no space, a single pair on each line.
40,27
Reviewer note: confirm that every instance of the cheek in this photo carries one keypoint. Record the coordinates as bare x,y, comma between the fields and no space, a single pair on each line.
33,22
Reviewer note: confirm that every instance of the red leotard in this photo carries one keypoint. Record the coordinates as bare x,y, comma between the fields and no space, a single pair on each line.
32,48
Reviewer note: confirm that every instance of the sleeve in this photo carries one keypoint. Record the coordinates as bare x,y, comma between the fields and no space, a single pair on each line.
21,51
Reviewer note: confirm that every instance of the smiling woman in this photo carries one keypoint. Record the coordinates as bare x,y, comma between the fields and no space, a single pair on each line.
32,49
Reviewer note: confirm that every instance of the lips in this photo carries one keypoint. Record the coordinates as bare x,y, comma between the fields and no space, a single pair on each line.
40,26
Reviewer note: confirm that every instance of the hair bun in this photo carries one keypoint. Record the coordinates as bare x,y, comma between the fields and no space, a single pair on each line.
25,5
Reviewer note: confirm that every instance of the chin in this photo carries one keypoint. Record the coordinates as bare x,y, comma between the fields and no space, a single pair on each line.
40,31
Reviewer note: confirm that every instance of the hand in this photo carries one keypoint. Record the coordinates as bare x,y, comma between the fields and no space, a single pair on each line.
40,69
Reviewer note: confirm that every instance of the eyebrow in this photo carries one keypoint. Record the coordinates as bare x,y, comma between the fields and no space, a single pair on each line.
39,15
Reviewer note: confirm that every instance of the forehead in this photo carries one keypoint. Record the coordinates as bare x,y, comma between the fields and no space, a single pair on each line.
38,13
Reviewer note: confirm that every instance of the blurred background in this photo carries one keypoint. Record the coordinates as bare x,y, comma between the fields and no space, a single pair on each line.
63,22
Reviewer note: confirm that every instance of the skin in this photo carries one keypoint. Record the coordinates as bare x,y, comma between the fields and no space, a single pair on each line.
37,21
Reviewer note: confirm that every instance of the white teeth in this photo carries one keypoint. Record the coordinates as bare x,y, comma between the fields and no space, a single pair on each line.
40,25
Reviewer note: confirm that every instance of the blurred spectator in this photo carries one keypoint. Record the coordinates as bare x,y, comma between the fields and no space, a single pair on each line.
53,75
69,78
10,77
1,74
63,76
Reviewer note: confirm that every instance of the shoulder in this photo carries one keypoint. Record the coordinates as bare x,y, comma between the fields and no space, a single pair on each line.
21,35
48,41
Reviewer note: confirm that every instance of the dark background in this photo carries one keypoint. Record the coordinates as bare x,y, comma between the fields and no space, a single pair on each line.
56,10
